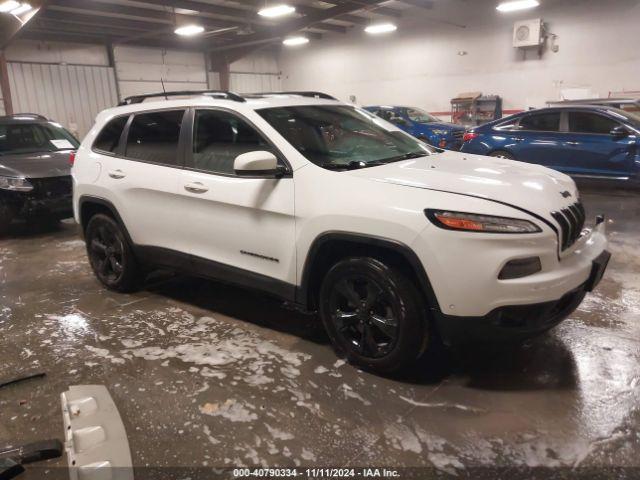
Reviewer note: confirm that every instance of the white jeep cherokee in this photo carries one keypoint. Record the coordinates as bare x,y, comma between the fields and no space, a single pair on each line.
326,206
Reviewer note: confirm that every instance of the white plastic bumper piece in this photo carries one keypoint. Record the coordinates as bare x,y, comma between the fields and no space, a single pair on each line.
95,439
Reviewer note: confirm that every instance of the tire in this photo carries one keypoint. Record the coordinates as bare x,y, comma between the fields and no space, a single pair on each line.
110,255
502,154
373,314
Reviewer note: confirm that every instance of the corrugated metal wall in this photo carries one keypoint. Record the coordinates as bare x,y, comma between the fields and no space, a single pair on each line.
70,94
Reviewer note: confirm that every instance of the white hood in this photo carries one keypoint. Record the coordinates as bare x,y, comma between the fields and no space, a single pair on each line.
530,187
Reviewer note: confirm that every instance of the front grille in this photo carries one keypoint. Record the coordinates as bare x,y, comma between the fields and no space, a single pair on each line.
571,221
51,187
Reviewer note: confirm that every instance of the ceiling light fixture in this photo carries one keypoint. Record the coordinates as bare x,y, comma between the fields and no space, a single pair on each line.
517,5
295,41
189,30
277,11
8,6
380,28
23,8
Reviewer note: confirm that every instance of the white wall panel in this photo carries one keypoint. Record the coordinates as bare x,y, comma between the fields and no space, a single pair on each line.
57,52
69,94
427,62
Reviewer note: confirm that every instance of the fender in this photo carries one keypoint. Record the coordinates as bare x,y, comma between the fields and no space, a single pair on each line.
404,251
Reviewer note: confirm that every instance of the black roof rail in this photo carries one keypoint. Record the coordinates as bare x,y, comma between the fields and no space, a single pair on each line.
35,116
325,96
222,94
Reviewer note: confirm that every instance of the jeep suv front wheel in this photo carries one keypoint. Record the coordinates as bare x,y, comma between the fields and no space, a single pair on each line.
110,254
373,314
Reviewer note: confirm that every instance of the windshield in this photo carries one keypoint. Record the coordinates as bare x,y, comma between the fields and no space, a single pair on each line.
340,137
420,116
22,137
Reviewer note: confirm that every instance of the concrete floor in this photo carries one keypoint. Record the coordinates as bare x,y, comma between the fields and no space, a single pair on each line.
209,375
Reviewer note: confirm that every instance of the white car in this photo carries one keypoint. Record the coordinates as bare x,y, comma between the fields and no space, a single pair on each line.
326,206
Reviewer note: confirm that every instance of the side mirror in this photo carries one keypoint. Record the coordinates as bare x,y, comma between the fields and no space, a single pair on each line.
619,132
256,163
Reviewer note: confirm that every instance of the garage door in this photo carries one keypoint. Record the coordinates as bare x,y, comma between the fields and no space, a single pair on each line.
69,94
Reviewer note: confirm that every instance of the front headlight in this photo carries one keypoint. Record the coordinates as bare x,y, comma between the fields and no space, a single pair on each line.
15,184
473,222
440,132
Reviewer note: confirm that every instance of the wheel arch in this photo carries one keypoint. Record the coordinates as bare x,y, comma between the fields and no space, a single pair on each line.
90,206
501,149
330,247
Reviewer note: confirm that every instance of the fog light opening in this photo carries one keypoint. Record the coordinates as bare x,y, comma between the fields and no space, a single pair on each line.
520,267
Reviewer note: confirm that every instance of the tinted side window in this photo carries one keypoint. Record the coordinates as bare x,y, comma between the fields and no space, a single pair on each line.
219,137
153,137
109,137
541,122
585,122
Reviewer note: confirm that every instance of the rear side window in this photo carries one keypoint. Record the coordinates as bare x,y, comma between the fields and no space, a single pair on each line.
109,137
219,137
154,136
541,122
585,122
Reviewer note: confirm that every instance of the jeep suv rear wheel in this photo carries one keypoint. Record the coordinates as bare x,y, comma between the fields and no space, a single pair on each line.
373,314
110,254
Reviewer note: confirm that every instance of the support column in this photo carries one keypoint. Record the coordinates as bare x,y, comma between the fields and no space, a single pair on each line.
4,85
220,65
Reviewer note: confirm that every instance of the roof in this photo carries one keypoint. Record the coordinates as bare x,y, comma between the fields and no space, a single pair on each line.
253,102
23,117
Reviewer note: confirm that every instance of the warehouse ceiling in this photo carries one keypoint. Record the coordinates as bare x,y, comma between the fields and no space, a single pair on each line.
231,26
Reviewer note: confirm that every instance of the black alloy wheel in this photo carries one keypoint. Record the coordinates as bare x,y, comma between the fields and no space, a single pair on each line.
110,255
374,314
364,315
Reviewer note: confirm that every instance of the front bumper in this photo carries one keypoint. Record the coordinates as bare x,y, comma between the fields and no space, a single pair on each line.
519,322
50,197
464,268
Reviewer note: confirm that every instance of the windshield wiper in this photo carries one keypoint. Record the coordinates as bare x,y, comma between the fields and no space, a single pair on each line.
406,156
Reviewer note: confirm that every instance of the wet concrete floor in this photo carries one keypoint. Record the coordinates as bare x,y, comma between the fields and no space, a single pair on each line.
207,375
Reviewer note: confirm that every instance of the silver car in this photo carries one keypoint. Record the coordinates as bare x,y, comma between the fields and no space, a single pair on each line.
35,173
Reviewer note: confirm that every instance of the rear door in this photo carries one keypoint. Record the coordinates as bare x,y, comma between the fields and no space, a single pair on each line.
593,150
538,139
241,228
143,175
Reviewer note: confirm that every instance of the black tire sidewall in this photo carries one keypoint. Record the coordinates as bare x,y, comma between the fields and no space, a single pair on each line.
127,282
502,154
412,318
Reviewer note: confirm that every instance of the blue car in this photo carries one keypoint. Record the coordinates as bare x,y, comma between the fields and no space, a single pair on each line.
422,125
582,141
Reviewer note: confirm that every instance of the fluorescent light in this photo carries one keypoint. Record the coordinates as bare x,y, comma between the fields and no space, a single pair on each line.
189,30
277,11
8,6
25,7
295,41
381,28
517,5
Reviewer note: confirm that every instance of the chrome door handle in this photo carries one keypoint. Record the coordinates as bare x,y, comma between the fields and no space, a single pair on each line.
117,174
196,187
518,139
572,143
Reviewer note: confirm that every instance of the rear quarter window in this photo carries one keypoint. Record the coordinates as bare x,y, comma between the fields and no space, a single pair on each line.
109,138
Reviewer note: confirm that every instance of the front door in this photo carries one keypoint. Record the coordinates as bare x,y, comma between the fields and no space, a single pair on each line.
240,228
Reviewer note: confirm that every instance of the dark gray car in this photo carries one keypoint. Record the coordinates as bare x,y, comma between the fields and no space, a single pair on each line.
35,172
